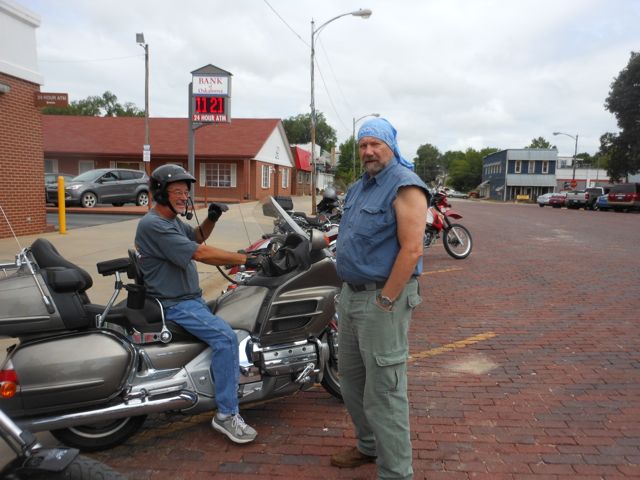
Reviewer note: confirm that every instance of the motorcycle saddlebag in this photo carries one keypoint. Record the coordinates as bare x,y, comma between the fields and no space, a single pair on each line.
70,370
22,308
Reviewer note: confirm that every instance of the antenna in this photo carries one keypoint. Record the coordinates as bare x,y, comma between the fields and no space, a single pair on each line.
10,227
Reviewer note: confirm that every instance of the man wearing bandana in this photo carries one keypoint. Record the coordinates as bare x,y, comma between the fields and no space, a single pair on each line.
379,257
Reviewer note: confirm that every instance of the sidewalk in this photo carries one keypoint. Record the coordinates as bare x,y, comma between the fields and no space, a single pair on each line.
87,246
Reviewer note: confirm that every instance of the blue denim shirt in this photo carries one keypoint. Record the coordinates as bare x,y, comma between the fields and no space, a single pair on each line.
368,243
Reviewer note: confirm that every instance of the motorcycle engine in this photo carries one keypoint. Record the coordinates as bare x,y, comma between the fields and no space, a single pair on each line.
285,359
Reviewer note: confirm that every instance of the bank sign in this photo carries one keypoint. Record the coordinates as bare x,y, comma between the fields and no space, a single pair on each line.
211,99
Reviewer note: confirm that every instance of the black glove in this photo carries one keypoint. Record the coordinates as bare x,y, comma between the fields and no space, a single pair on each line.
215,210
255,262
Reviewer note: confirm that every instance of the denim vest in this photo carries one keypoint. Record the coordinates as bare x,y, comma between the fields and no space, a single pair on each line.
367,242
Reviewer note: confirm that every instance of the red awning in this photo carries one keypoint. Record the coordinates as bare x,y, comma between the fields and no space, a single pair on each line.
302,159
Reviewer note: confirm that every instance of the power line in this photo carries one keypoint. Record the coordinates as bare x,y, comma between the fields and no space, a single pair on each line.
285,22
335,78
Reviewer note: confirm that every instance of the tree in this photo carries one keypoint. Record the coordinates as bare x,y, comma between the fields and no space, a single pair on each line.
428,163
298,130
345,162
623,149
541,142
465,171
105,106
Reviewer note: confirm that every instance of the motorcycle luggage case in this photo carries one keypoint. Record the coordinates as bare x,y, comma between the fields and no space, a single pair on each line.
285,202
70,370
22,309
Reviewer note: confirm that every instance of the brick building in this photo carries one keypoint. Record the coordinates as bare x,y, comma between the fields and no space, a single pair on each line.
21,155
247,159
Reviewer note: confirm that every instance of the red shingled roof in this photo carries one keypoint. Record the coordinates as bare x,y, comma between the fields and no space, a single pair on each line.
243,137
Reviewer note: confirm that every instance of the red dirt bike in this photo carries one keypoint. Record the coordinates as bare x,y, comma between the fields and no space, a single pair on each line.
456,238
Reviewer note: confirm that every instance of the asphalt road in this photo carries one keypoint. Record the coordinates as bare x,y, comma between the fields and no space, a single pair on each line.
81,220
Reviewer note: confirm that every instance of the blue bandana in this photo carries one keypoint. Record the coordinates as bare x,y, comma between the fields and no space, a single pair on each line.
381,129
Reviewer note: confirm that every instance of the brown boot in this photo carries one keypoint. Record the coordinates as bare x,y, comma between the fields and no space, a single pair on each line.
351,458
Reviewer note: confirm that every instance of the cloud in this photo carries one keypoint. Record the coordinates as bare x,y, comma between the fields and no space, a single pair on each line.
453,73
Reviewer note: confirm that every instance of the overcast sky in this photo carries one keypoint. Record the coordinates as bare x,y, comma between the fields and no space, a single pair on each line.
452,73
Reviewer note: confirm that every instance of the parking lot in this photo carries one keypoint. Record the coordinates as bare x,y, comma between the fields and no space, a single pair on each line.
525,365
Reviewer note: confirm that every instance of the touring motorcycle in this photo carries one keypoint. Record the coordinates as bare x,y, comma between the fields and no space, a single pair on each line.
90,373
455,237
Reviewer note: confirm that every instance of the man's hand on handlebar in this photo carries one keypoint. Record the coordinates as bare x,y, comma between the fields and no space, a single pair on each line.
255,262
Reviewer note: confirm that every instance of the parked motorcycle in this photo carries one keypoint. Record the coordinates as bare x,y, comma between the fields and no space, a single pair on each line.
34,462
91,374
456,238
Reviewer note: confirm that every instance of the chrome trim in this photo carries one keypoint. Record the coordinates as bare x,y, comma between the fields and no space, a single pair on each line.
184,399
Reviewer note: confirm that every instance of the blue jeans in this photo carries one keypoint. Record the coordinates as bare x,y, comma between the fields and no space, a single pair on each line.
195,317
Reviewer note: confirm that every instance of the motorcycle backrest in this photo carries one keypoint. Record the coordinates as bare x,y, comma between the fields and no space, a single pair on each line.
46,255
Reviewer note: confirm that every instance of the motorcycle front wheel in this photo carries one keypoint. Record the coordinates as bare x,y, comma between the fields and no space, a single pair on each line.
457,241
101,435
81,468
331,378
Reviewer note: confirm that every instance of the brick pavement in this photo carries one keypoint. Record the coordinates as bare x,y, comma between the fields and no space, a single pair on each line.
525,365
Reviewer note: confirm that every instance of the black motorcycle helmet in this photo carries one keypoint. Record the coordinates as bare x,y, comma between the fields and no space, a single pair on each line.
330,194
162,177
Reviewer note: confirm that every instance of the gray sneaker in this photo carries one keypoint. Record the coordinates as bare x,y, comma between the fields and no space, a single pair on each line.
235,428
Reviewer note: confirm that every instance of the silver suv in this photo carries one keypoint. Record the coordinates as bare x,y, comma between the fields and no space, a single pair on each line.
104,185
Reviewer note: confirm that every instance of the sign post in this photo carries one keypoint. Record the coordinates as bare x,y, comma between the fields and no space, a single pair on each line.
209,102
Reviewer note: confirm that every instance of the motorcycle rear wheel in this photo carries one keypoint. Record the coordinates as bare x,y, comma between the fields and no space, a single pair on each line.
457,241
100,436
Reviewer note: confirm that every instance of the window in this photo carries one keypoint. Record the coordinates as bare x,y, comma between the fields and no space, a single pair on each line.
518,166
266,176
532,167
545,166
50,165
218,175
129,165
85,166
300,177
285,178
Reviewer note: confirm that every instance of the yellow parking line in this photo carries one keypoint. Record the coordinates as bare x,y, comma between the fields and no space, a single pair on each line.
451,346
445,270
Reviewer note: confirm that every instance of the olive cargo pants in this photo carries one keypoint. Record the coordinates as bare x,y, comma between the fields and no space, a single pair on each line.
372,361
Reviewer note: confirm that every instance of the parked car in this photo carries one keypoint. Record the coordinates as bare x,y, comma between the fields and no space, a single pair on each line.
456,194
557,199
104,185
591,196
624,196
543,199
602,203
50,178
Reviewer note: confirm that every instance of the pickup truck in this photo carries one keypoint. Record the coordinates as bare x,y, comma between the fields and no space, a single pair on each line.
584,198
575,199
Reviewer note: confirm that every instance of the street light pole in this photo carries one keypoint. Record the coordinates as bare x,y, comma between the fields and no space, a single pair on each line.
147,147
575,152
354,138
363,13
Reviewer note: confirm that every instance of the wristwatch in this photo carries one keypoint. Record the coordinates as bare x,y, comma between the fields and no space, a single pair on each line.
384,301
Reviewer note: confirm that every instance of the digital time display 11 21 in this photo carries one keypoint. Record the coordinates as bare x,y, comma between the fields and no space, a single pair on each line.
207,104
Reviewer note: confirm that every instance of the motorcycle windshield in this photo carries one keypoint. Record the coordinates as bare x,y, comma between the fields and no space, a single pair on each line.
272,218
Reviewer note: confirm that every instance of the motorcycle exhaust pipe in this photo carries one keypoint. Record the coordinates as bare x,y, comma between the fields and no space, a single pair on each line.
131,409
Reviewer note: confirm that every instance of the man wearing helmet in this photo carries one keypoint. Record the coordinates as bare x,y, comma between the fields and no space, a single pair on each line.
169,249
